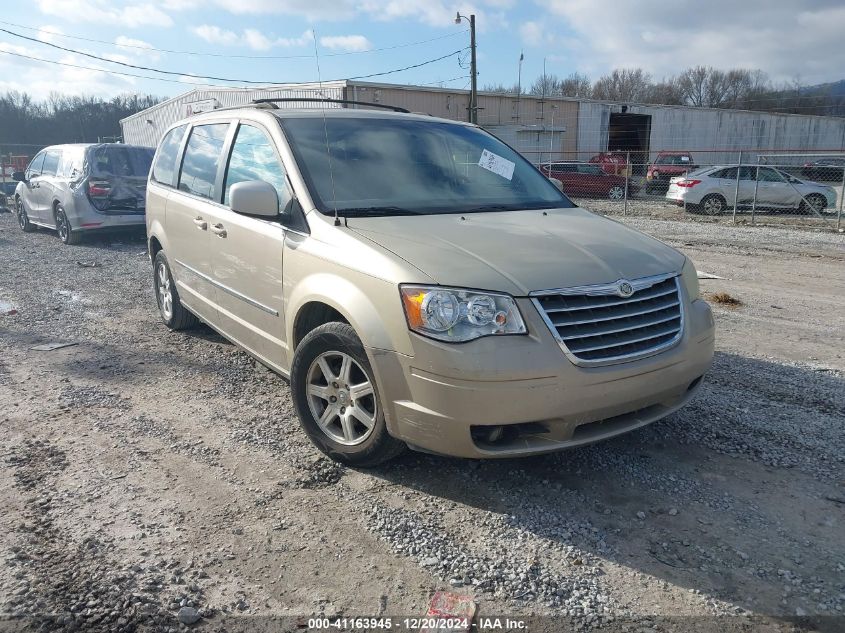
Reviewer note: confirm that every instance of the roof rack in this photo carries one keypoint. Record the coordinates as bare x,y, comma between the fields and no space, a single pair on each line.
275,100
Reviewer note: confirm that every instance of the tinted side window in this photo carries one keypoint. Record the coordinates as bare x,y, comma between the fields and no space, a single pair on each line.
164,169
729,173
202,157
254,158
769,175
51,162
34,168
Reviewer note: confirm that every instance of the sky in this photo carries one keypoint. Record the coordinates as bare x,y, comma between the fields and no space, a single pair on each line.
273,41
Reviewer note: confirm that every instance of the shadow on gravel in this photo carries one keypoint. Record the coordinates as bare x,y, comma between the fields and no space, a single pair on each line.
738,496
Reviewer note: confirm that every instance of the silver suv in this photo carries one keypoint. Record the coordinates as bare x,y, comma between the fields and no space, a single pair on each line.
75,189
420,283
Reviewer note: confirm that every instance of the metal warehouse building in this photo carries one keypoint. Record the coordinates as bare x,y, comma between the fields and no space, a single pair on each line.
541,128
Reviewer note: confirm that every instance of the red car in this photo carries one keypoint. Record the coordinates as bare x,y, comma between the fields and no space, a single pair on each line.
580,179
666,166
615,163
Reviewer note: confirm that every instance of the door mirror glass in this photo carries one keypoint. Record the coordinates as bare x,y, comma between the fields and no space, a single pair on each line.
20,176
254,197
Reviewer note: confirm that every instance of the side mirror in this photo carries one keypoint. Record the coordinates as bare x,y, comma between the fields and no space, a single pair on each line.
254,197
20,176
557,183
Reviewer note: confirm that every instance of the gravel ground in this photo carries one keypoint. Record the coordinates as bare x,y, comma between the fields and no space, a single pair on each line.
159,481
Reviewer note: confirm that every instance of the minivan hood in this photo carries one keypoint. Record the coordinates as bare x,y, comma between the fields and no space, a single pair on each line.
520,251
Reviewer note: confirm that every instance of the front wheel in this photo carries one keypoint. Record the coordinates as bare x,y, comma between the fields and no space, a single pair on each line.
66,233
23,216
336,398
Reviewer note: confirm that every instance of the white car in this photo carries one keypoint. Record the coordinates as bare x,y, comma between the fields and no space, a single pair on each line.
711,190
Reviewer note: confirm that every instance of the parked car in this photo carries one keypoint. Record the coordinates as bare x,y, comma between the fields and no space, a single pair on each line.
76,189
711,190
824,169
580,179
666,166
614,163
420,283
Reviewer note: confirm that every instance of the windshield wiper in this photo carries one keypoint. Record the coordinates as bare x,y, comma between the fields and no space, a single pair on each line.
375,211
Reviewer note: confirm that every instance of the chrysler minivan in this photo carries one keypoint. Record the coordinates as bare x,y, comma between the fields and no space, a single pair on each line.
419,282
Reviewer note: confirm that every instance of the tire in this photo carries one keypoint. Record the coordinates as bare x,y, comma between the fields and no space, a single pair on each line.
23,216
616,192
170,308
816,201
66,233
712,204
329,367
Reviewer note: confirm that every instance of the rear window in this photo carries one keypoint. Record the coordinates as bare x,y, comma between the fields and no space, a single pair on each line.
72,162
164,170
202,158
51,162
673,160
114,160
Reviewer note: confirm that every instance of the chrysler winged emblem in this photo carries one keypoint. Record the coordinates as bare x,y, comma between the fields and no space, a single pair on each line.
624,289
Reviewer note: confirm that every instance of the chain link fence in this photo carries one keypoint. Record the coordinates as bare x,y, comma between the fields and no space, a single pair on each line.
754,188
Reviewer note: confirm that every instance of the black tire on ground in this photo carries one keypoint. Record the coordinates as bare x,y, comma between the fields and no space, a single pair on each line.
376,445
712,204
66,233
817,200
170,308
23,216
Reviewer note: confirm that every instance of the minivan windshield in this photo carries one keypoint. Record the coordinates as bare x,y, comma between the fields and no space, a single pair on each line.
381,166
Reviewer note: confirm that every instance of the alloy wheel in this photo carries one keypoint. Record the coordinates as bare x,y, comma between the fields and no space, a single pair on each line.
616,193
713,206
22,218
62,226
341,398
165,292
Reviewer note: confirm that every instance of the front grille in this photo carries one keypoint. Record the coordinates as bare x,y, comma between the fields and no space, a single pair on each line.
596,326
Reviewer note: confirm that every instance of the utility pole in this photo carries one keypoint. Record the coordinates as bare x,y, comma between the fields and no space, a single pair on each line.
519,85
473,94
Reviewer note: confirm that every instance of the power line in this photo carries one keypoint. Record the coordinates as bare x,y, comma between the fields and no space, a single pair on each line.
202,54
187,75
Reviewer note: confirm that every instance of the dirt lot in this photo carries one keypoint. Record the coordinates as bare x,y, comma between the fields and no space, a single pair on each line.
142,471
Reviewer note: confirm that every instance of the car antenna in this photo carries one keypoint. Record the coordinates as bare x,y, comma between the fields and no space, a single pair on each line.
325,128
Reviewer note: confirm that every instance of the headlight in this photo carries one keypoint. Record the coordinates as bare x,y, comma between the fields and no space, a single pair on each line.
689,277
458,315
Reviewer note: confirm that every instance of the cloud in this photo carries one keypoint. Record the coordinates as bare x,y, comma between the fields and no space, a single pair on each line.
346,42
131,44
252,38
103,11
215,35
47,33
645,34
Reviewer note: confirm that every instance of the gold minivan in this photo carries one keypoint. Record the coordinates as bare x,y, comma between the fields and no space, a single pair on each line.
419,282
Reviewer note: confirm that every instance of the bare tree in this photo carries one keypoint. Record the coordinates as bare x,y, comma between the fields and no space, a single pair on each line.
501,88
665,92
576,85
623,84
546,86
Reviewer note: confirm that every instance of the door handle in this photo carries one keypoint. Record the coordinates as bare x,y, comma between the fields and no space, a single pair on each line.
202,225
218,230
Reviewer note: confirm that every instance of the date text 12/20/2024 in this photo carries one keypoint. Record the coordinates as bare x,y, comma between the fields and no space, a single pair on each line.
415,624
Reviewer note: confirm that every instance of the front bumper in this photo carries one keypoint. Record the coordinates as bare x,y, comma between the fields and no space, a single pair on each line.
446,398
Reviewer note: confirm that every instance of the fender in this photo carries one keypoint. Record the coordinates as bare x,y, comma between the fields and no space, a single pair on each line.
350,300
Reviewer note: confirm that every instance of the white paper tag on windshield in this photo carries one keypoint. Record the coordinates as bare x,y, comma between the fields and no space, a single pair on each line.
495,163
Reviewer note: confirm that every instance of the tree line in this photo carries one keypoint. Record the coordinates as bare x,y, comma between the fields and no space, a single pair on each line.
27,125
700,86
